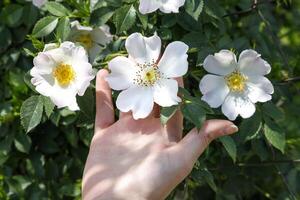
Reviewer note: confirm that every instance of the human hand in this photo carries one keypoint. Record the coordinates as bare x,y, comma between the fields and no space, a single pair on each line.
141,159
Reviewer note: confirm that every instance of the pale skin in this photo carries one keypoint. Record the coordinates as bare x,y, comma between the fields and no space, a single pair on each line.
139,160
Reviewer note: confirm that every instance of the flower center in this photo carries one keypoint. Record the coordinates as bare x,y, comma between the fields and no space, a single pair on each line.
147,74
236,81
64,74
85,40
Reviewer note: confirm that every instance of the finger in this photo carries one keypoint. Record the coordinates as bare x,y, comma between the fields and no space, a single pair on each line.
175,124
104,107
194,143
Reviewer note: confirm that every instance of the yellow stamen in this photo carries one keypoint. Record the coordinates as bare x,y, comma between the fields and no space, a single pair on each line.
64,74
85,40
150,76
236,81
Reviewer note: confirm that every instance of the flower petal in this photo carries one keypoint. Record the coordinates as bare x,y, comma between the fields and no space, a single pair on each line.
147,6
237,103
76,26
143,49
94,51
101,35
39,3
221,63
84,75
43,63
122,73
171,6
165,93
259,89
43,82
174,61
214,90
63,96
139,100
251,63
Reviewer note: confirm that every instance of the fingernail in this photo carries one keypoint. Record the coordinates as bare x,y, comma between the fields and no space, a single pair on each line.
231,129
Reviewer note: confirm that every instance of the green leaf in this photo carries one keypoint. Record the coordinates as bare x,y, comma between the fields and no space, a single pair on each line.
124,18
143,20
273,111
87,106
57,9
229,146
194,8
6,38
63,28
48,106
249,128
166,113
45,26
204,174
30,15
100,16
31,112
194,113
11,15
274,135
22,142
71,190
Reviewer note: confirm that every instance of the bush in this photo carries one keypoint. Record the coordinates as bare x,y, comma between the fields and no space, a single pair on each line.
44,158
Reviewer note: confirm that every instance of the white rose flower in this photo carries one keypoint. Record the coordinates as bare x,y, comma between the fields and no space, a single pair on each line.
38,3
93,40
237,86
144,78
166,6
62,72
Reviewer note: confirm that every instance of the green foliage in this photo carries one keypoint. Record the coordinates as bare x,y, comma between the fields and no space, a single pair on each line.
43,149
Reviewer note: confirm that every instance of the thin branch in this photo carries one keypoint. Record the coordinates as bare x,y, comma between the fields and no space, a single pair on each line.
289,81
259,164
255,4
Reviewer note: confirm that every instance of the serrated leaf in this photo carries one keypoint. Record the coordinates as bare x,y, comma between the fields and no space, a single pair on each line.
22,142
86,105
194,113
250,127
124,18
194,8
166,113
45,26
63,28
57,9
274,135
48,106
204,174
143,19
273,111
12,15
31,112
229,146
101,16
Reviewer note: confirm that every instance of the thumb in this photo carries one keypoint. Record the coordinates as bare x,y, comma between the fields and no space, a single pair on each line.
194,143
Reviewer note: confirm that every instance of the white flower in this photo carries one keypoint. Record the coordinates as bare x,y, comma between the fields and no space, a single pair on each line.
38,3
62,72
166,6
144,78
237,86
93,40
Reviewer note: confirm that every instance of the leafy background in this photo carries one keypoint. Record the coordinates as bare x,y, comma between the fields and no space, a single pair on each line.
44,158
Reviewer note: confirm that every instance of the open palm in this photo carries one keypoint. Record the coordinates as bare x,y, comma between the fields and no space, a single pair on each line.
141,159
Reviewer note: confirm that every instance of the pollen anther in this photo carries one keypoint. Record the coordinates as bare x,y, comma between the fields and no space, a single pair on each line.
64,74
236,81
